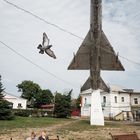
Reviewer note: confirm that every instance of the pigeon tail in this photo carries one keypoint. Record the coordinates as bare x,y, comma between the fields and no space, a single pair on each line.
41,51
50,53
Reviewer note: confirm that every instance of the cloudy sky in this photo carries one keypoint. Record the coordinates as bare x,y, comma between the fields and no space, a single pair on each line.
23,32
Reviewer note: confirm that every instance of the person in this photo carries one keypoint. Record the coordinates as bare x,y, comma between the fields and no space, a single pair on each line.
32,137
43,135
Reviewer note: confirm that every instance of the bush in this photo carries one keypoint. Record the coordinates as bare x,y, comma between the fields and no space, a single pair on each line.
6,110
62,105
32,113
23,113
41,113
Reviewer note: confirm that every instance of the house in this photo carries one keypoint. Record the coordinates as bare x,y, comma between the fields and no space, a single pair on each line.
18,103
117,102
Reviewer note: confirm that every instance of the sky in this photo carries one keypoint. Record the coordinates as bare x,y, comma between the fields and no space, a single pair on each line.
23,32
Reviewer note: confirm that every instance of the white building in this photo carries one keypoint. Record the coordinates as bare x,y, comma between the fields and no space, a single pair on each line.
114,102
18,103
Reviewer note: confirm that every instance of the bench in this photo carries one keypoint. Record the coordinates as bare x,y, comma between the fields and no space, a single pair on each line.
132,136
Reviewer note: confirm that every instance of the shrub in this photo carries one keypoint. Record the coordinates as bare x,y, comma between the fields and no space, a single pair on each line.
5,110
23,113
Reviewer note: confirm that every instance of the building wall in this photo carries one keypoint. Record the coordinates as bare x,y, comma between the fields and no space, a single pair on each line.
115,103
135,106
133,96
106,105
85,105
17,102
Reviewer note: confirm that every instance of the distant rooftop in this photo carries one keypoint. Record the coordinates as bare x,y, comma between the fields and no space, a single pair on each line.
10,96
114,88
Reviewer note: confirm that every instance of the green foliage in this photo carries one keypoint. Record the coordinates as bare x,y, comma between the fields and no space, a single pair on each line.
45,97
63,105
1,89
40,113
5,106
34,94
78,102
23,113
32,113
29,89
6,110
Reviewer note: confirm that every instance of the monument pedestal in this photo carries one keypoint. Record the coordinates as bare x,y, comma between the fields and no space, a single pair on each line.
96,113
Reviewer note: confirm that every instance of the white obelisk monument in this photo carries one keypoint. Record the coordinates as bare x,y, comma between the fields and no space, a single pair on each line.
96,113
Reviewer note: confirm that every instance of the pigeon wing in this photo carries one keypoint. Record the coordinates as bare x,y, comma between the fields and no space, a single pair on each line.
45,42
50,53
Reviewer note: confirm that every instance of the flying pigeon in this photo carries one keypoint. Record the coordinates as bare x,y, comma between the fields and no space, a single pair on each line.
45,47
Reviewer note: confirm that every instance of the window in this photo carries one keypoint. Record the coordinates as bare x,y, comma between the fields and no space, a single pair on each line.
19,105
122,99
135,100
104,99
85,101
115,99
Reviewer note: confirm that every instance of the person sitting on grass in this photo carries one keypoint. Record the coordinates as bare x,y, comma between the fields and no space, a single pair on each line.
43,136
32,137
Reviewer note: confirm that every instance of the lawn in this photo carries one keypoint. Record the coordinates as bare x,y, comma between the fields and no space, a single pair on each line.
67,129
30,122
82,125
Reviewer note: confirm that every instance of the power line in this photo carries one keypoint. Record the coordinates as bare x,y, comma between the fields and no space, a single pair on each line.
60,28
41,68
131,61
44,20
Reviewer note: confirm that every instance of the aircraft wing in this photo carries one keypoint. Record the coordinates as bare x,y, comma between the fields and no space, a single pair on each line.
109,60
81,59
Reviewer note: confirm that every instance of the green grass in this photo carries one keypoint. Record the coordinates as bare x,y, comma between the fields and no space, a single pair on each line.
79,126
73,129
82,125
30,122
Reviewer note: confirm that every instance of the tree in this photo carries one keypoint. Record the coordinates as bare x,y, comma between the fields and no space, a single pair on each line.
34,94
45,97
1,89
78,102
30,91
5,106
6,110
63,105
